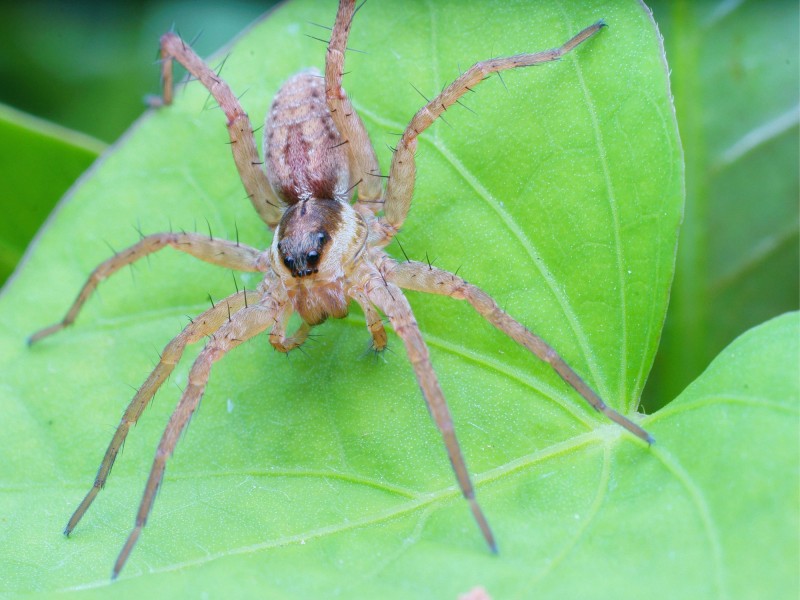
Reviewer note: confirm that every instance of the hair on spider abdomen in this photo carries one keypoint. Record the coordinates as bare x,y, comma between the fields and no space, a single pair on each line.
304,152
326,251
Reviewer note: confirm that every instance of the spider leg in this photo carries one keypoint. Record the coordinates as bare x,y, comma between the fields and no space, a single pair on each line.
278,337
424,278
242,326
243,145
364,166
203,325
390,299
402,173
230,255
374,321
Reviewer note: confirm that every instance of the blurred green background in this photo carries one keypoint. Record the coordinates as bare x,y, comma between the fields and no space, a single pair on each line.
89,65
734,64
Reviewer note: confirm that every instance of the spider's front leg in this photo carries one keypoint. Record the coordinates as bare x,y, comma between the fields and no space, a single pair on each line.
231,255
390,300
280,340
364,167
422,277
400,187
205,324
374,321
240,130
241,326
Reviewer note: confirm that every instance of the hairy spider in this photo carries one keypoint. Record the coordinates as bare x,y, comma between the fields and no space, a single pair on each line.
326,250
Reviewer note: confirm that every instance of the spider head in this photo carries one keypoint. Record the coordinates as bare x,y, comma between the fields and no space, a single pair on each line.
304,235
302,259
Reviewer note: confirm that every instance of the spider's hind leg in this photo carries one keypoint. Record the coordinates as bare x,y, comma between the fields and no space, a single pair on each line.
205,324
422,277
390,300
240,327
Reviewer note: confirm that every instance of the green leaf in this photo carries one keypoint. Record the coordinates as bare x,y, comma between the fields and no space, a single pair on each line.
735,76
40,161
729,441
322,475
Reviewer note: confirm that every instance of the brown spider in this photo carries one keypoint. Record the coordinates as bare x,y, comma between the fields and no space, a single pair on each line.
325,251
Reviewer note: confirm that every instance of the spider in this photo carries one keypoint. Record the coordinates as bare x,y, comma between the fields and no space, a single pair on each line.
327,250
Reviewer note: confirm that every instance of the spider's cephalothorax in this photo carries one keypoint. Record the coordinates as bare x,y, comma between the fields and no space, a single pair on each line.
316,247
304,232
325,252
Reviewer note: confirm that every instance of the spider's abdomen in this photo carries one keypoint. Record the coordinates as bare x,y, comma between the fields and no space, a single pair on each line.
304,155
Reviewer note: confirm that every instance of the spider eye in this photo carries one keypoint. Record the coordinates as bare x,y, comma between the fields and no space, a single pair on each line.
289,262
312,258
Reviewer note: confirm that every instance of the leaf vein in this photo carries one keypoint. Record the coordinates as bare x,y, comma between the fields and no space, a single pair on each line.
695,493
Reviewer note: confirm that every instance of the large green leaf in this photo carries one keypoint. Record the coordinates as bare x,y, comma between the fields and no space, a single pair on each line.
735,74
322,475
40,161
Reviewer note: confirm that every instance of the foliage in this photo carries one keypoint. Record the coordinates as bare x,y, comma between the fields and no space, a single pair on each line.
40,161
322,475
735,76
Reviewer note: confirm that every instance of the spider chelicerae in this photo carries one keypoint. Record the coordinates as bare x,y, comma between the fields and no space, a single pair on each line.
327,250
